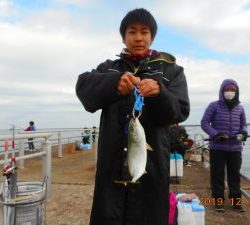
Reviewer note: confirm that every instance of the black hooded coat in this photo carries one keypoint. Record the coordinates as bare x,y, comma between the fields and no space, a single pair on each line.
146,202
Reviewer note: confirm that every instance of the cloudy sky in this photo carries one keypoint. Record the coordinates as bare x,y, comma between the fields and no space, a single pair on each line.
46,44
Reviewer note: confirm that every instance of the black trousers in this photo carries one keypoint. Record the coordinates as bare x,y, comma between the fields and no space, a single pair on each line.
218,161
31,144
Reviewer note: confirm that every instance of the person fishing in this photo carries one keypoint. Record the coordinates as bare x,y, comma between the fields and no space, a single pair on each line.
110,87
86,136
224,121
31,127
93,133
179,141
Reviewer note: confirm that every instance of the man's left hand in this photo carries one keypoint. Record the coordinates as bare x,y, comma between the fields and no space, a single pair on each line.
149,88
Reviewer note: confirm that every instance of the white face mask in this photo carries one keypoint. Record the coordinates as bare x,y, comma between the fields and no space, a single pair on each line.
229,95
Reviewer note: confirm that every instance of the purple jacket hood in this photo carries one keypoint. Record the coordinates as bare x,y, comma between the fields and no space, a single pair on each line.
225,83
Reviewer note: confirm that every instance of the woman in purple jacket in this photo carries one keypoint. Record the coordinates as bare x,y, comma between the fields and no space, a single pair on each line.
225,122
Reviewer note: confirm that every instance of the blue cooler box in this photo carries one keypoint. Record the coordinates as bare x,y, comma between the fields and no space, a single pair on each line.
85,146
176,165
191,209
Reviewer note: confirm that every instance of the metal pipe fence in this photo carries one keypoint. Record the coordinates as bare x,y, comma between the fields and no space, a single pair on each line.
59,138
45,153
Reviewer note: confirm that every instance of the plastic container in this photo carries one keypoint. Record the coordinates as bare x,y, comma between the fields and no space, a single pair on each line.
185,214
176,165
196,157
192,209
198,213
85,146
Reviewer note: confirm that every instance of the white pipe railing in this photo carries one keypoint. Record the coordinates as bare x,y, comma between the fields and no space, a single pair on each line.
22,137
60,144
45,153
58,133
25,135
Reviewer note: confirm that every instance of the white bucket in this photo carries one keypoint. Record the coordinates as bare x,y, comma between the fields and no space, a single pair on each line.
29,203
196,157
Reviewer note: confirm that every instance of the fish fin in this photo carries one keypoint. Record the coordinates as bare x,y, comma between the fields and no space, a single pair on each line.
148,147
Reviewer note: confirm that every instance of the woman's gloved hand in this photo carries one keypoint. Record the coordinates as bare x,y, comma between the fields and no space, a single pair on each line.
222,137
240,137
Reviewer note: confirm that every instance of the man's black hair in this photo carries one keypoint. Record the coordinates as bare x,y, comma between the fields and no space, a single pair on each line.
138,16
31,123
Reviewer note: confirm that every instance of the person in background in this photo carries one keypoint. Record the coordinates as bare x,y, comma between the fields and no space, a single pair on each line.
86,136
31,127
110,87
93,134
224,121
179,141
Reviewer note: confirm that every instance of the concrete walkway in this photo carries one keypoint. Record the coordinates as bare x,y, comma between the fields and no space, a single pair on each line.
73,182
196,180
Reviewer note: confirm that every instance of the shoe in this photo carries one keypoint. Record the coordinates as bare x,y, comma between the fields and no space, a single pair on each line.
239,208
219,208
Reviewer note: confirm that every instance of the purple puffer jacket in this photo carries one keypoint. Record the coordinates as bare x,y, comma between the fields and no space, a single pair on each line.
219,119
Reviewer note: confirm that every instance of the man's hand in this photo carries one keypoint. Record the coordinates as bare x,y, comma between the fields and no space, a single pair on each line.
126,83
149,88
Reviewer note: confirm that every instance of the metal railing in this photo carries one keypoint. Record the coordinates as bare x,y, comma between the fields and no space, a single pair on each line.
244,192
45,153
59,136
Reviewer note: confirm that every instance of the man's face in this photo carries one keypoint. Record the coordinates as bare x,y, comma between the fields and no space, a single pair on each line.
138,39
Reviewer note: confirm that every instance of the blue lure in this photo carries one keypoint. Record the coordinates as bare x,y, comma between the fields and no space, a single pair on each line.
139,102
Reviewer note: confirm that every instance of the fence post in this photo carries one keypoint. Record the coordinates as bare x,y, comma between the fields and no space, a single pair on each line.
47,165
21,152
90,136
60,144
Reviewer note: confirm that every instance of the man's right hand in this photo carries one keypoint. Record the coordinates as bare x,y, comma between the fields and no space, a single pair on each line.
126,83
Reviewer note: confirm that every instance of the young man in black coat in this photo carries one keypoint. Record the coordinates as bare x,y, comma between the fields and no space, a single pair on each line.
110,87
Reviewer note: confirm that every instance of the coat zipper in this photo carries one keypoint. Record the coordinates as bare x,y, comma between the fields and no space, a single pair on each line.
230,121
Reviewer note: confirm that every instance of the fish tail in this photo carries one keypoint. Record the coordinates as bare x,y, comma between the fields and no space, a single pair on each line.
134,179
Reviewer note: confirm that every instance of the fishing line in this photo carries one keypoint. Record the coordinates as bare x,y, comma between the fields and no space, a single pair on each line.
139,102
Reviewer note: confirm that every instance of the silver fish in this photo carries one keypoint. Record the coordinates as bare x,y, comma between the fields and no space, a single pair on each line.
137,150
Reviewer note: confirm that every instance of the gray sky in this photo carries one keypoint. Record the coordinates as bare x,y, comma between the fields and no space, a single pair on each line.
45,45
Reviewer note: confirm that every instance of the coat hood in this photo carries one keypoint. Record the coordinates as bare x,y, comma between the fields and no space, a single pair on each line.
225,83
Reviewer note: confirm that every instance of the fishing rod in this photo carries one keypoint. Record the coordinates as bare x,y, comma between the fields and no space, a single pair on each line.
195,148
229,138
199,140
